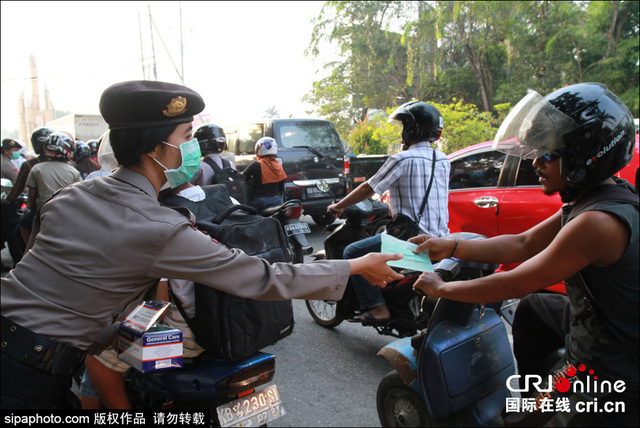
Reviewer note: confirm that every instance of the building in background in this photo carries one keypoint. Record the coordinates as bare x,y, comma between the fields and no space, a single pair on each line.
30,114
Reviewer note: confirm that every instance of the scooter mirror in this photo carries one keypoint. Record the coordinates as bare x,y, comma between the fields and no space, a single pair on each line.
323,186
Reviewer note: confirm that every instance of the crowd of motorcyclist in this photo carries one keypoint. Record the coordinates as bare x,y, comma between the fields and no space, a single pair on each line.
578,136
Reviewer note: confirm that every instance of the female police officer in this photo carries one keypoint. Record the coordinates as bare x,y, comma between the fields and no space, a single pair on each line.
104,242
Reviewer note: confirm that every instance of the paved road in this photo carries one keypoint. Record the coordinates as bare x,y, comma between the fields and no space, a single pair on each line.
328,377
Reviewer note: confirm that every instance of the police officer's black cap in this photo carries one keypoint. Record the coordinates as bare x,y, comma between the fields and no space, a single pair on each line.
148,104
10,143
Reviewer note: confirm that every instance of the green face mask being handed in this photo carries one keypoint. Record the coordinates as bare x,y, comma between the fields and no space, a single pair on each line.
190,152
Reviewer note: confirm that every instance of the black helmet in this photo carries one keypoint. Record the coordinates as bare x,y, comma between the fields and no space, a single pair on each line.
82,151
94,145
211,138
39,137
603,141
420,122
59,146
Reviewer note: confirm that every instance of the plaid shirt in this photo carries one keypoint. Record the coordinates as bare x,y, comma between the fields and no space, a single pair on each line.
406,175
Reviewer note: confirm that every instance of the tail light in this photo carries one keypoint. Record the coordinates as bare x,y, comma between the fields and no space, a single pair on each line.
247,379
347,166
293,212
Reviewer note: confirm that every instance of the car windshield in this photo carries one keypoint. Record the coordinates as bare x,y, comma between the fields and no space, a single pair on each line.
307,134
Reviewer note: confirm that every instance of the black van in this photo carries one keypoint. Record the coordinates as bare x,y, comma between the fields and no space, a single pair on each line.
310,149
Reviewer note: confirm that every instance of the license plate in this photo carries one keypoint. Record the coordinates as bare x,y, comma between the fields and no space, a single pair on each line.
314,192
255,409
296,228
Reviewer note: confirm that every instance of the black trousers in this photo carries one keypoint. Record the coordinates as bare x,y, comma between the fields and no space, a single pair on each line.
25,387
540,326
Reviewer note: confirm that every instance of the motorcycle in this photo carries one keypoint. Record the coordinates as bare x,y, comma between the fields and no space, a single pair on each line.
288,214
227,388
11,215
455,372
407,313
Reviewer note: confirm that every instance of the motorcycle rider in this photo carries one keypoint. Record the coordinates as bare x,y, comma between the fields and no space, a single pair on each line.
406,175
265,176
579,136
10,150
47,177
214,169
84,273
38,138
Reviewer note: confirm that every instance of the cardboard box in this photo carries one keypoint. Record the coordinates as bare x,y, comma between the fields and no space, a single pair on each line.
147,346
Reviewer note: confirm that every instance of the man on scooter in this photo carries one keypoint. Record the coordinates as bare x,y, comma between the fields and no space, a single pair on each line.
579,136
406,175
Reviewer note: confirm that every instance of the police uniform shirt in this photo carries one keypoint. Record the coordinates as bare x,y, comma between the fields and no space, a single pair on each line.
8,169
406,175
104,242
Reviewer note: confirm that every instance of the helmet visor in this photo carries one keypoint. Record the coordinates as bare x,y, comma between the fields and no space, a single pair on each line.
533,126
106,158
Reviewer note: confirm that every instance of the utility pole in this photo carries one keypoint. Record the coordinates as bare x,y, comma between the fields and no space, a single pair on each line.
153,50
181,47
141,50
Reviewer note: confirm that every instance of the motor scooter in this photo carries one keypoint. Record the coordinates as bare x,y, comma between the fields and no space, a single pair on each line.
11,215
227,388
288,214
455,372
408,314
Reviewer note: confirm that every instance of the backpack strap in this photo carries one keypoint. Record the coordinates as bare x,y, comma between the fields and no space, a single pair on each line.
219,172
426,196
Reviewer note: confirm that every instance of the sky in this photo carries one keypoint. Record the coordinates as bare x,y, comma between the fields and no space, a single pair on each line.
241,56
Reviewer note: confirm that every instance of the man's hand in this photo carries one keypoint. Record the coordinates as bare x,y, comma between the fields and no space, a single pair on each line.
334,210
430,284
439,248
373,267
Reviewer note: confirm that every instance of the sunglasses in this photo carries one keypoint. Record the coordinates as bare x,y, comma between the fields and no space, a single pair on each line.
548,157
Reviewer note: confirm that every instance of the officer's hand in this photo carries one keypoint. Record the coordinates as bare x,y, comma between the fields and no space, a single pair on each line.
334,210
430,284
439,248
373,267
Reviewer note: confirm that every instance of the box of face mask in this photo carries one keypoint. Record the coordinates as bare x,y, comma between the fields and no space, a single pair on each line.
147,346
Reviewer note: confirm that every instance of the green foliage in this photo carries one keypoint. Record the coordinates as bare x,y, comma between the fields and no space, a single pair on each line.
464,125
365,138
481,53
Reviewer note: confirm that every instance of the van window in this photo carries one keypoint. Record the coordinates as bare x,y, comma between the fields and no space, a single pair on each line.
307,134
247,138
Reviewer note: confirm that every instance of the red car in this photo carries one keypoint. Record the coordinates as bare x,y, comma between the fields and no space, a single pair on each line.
492,193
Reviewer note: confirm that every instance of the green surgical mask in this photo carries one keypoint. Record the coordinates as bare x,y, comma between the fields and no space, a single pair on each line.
190,152
15,155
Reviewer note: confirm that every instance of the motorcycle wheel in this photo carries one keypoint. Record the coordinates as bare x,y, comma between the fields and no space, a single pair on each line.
399,405
325,313
379,226
323,219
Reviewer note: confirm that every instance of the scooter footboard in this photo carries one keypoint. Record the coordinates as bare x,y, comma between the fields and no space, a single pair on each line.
460,365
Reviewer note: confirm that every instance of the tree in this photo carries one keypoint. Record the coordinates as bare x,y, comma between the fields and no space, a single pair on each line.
271,112
364,139
483,53
371,70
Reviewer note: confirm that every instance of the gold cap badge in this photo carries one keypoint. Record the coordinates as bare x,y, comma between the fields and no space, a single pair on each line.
176,107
